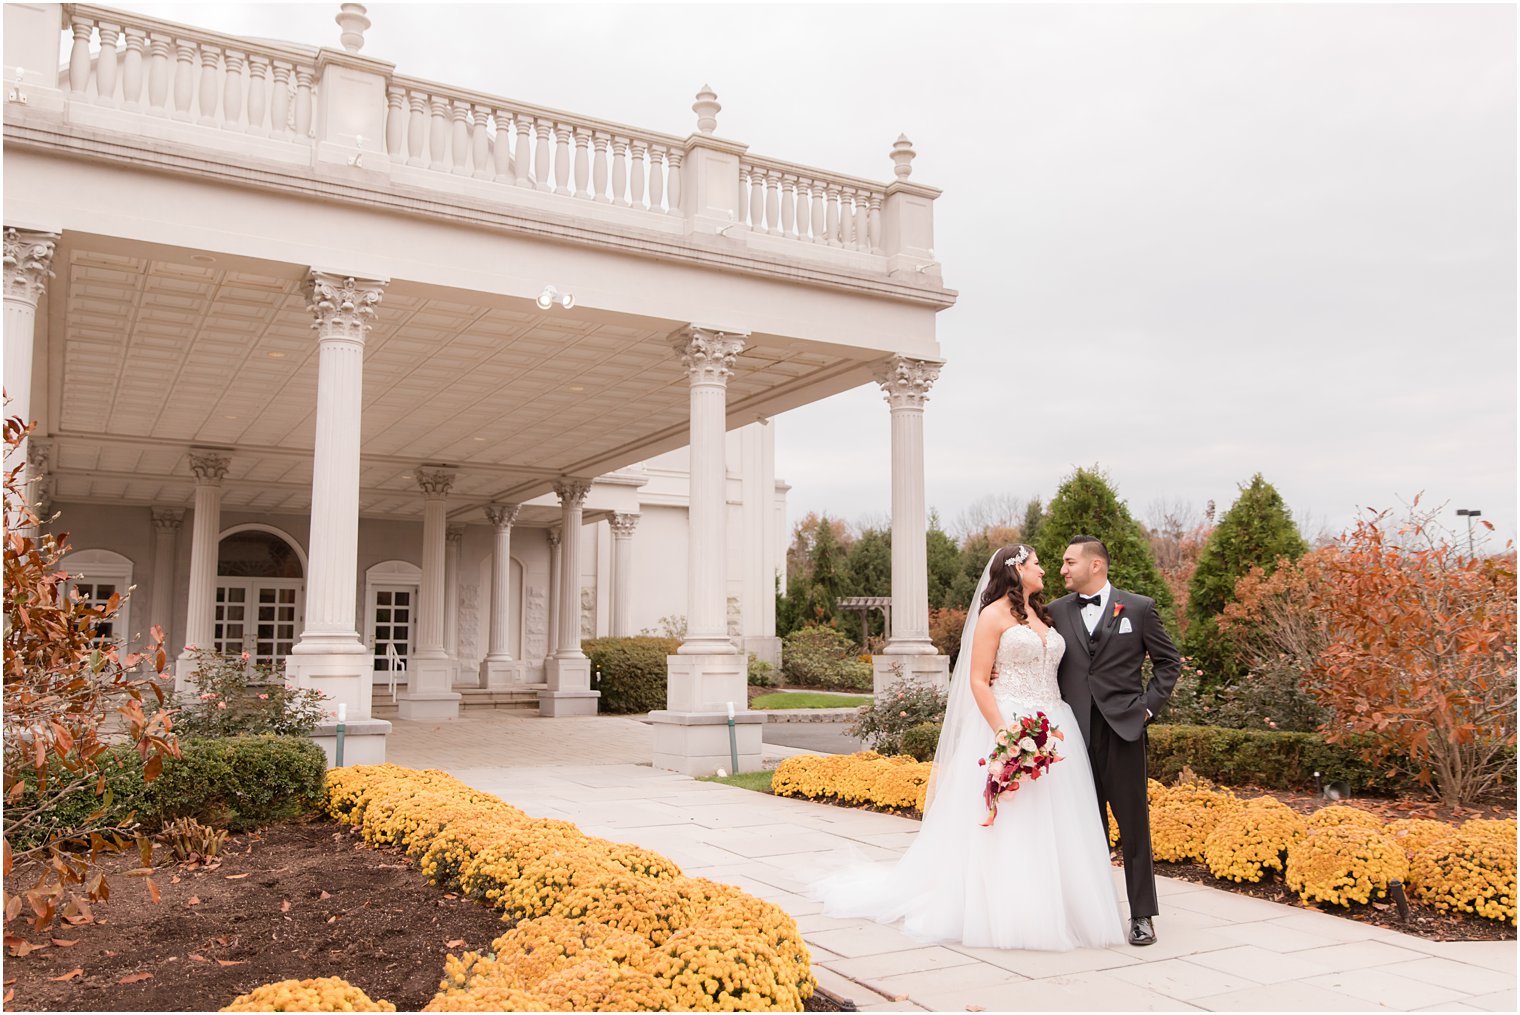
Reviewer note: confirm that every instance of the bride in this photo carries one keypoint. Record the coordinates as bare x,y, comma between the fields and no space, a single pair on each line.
1039,876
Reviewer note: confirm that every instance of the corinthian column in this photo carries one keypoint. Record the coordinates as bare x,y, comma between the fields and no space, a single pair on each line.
453,544
166,524
498,669
28,257
906,383
569,671
622,572
430,681
552,537
210,469
329,657
706,676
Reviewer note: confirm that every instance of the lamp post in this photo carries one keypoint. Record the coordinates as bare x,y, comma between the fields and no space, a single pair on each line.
1469,514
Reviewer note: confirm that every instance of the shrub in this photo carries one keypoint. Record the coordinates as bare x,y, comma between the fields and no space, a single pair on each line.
1252,840
819,656
1185,819
1344,863
898,783
901,707
1341,815
945,626
633,672
1472,871
921,740
1414,836
762,673
237,699
330,993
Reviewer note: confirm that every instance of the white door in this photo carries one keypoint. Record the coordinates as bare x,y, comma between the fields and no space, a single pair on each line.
392,614
260,616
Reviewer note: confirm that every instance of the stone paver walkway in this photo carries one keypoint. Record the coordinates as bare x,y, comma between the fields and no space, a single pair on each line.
1218,951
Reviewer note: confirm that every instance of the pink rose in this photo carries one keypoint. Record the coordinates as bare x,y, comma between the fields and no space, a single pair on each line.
245,657
902,715
221,704
263,697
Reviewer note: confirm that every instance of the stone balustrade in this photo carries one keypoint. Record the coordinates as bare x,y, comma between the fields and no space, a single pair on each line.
327,108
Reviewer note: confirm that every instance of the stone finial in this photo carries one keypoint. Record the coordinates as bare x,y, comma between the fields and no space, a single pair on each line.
902,157
351,18
706,107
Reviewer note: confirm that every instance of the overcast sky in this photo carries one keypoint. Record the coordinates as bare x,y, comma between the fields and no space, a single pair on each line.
1191,242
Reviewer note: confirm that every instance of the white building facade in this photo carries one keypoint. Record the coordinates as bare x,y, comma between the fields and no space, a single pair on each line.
408,389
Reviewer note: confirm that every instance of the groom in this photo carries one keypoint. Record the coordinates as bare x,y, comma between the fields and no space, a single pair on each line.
1108,633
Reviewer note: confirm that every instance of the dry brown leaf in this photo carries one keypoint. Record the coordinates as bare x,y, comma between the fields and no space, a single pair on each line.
972,1007
458,942
76,971
110,955
324,895
235,877
153,892
223,942
285,906
25,948
230,962
333,918
65,942
174,879
194,900
8,995
136,978
196,958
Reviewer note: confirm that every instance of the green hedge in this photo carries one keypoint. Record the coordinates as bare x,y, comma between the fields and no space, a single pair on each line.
237,783
817,656
633,672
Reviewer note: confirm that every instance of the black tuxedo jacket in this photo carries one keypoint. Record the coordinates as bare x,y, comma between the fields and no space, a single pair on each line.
1105,669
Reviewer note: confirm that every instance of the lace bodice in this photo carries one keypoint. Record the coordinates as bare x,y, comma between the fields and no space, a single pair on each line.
1026,669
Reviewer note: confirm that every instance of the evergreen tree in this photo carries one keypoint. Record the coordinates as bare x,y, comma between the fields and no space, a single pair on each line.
944,559
1257,531
1034,514
867,572
1087,505
821,601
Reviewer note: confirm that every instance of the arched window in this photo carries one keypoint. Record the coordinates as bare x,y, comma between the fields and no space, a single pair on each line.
96,575
257,553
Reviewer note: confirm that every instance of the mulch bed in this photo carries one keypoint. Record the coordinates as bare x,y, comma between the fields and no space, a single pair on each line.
293,901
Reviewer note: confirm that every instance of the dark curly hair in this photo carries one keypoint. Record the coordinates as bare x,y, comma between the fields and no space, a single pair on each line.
1003,580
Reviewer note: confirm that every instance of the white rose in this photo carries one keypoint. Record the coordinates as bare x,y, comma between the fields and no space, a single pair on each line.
1027,745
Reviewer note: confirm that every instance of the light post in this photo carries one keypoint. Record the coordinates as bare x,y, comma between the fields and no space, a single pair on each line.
1469,514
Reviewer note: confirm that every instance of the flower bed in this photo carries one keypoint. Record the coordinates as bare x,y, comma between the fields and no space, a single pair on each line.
595,925
866,779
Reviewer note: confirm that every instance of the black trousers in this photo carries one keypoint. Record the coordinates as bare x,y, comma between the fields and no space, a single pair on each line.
1119,771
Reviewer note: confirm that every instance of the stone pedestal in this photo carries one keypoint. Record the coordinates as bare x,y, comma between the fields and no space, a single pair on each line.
929,670
696,743
363,741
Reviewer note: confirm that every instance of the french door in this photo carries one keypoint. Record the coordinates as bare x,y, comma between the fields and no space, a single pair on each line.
260,616
392,613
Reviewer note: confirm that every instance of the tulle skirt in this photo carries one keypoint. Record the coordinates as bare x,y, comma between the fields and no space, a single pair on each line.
1039,878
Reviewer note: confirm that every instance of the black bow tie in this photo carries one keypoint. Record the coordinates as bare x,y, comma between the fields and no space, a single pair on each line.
1083,602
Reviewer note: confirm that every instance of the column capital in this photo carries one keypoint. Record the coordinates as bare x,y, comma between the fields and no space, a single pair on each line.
168,519
552,534
39,457
572,491
906,381
210,467
623,524
435,482
344,306
454,535
502,516
707,353
28,261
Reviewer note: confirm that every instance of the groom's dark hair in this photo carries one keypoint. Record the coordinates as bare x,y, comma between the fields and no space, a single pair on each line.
1097,548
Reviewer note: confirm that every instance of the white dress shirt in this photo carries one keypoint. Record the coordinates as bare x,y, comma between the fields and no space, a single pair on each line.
1093,612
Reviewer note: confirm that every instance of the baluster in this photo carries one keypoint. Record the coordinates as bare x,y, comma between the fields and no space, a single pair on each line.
523,170
184,78
417,126
562,158
673,185
105,64
773,203
620,171
636,174
503,150
743,205
599,167
846,217
656,177
279,99
132,68
304,77
459,113
79,55
480,144
801,208
159,73
395,122
541,130
438,133
819,211
788,204
211,66
232,93
258,95
582,162
862,221
831,206
875,224
757,199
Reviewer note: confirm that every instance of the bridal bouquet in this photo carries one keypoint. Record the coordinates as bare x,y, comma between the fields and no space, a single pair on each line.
1025,748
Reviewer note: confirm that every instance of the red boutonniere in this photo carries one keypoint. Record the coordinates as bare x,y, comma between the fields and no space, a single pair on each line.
1118,609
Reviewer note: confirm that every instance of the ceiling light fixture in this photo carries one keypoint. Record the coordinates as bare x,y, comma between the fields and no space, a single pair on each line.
551,296
275,354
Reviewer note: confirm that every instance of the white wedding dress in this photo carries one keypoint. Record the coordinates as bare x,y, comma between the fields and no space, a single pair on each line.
1039,877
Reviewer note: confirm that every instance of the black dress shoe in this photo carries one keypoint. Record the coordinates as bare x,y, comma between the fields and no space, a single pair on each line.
1141,932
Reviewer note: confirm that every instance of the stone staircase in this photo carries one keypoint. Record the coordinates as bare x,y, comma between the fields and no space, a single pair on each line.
521,699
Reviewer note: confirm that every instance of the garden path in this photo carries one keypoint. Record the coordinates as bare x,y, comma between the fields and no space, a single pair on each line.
1218,951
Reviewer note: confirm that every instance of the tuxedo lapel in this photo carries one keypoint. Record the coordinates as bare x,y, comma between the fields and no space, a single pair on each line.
1106,624
1075,632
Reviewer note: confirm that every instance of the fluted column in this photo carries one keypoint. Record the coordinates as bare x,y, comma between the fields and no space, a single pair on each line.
552,537
166,525
498,669
453,542
28,261
430,693
623,526
709,359
568,672
210,469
